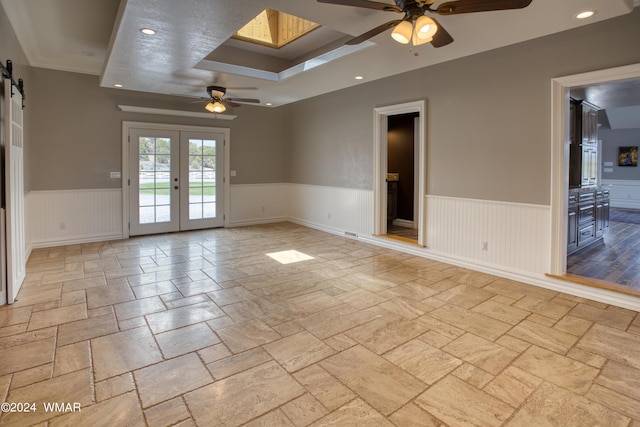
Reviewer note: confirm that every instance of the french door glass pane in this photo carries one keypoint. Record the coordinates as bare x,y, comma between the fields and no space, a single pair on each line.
202,183
154,180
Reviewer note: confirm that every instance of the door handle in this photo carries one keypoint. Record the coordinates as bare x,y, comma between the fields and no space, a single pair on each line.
175,187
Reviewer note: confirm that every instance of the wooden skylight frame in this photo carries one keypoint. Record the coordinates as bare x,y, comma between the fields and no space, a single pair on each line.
274,29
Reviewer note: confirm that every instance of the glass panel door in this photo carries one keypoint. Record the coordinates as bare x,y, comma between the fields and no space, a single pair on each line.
175,180
154,188
201,166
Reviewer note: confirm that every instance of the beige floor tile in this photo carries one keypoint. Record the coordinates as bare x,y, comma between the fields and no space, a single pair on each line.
232,365
355,413
481,353
304,410
613,344
379,382
73,387
82,330
513,386
153,289
465,296
242,397
247,335
109,295
551,405
135,348
358,335
324,387
543,307
557,369
473,375
198,287
621,378
114,386
503,312
411,415
169,379
28,355
119,411
32,375
183,316
167,413
14,316
273,418
469,321
185,340
616,401
72,358
57,316
427,363
613,319
231,295
386,332
137,308
544,336
459,404
298,351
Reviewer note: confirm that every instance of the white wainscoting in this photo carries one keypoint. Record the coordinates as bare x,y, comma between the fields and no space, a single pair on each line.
624,194
64,217
333,209
516,235
257,204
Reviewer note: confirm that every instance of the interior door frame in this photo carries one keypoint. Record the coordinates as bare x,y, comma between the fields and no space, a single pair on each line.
560,88
380,127
127,125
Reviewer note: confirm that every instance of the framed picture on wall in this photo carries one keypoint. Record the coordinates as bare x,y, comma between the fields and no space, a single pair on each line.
628,156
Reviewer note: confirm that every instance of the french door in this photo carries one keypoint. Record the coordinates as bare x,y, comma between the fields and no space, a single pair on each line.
175,180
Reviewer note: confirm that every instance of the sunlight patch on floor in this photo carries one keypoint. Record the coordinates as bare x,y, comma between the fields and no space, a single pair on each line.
289,257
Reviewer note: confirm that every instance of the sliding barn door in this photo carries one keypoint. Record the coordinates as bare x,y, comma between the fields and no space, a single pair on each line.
14,185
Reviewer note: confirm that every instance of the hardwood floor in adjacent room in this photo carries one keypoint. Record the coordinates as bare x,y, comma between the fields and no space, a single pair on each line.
282,325
616,259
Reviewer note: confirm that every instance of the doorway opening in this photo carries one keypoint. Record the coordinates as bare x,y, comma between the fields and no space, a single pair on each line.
561,88
400,171
402,176
174,177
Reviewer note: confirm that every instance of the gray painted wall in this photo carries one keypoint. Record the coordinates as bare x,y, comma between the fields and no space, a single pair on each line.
611,140
76,136
488,116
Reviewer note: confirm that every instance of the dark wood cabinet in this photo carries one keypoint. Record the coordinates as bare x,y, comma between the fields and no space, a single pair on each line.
583,146
588,217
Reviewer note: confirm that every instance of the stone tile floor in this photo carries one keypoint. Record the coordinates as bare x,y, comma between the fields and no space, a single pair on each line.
280,325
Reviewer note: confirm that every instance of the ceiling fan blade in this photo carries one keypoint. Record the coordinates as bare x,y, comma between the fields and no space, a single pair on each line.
231,103
441,37
364,3
379,29
246,100
469,6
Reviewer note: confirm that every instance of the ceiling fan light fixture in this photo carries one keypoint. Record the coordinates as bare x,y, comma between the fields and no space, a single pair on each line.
215,107
425,28
403,32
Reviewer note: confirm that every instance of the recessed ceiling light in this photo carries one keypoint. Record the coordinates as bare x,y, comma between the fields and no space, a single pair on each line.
268,104
585,14
147,31
359,77
117,85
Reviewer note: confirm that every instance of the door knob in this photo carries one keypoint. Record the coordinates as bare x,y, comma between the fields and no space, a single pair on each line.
175,188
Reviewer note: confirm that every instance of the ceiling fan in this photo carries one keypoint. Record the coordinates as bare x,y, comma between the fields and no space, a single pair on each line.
417,28
217,103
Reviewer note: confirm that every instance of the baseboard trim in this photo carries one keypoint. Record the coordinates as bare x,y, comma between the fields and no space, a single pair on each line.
75,240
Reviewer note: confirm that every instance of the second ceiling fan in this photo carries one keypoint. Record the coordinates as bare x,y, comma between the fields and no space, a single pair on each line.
417,28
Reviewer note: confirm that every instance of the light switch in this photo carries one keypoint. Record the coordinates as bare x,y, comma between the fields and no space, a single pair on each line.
233,173
114,175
